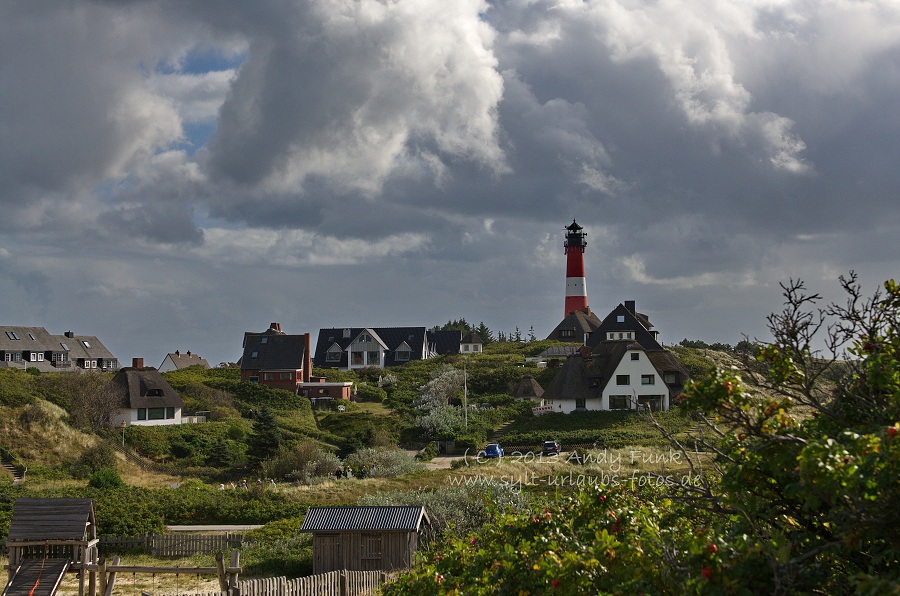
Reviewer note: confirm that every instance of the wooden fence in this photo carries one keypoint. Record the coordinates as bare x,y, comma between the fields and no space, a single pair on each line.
173,545
333,583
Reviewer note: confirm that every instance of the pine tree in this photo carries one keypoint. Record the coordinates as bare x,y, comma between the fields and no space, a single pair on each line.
266,435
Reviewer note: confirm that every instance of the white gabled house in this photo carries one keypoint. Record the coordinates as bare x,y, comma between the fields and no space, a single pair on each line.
353,348
616,375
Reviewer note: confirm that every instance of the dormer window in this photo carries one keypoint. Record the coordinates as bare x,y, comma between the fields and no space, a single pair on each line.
155,392
333,355
403,355
364,338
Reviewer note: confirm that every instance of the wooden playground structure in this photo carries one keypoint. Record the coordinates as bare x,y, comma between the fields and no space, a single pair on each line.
51,537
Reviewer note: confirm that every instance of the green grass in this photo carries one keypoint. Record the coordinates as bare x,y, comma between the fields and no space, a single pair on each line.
606,429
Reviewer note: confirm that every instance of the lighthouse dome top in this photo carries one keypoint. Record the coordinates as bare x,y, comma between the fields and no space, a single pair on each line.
574,227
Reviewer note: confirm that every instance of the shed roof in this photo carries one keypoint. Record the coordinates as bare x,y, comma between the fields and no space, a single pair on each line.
365,518
52,519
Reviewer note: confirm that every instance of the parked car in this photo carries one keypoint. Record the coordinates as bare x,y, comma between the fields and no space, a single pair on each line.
492,450
550,448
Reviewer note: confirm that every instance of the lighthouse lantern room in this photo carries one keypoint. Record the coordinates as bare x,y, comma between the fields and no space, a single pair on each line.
576,292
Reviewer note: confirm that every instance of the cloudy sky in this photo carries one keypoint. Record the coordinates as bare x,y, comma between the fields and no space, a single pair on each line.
173,174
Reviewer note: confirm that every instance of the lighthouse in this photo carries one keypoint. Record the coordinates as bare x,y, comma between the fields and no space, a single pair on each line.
576,292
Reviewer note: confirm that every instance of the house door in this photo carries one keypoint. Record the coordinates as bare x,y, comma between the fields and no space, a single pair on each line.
328,555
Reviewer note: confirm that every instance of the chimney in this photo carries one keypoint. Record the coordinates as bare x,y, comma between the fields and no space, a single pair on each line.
188,353
69,334
177,353
137,363
629,306
275,327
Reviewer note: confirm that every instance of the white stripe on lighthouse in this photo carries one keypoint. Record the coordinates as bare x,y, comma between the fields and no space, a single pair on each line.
575,287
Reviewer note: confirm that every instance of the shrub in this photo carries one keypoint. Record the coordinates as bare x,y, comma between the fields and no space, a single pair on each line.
382,462
94,459
105,478
301,462
371,393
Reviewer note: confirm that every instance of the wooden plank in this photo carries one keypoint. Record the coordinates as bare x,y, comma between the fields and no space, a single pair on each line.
37,577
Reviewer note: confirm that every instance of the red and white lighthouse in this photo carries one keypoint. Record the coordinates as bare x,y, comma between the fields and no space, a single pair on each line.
576,292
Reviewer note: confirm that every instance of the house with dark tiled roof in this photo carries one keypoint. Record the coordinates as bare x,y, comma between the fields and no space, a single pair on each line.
178,360
276,359
34,347
366,537
351,348
146,397
616,375
577,327
625,323
471,344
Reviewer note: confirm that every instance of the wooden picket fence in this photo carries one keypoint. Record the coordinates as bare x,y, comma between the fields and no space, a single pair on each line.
333,583
173,545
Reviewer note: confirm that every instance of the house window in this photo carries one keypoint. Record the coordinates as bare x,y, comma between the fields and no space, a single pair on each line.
648,379
31,335
86,343
35,357
466,348
64,346
567,333
635,356
364,338
12,335
253,378
170,413
373,357
623,379
264,340
154,392
628,335
618,402
371,546
595,382
620,318
405,355
333,356
580,404
670,377
156,413
620,336
142,413
254,354
650,402
268,376
610,336
286,376
356,358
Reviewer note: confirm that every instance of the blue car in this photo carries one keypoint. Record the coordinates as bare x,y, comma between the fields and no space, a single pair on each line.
492,450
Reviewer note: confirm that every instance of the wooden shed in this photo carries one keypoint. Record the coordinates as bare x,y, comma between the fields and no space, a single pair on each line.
365,538
47,538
